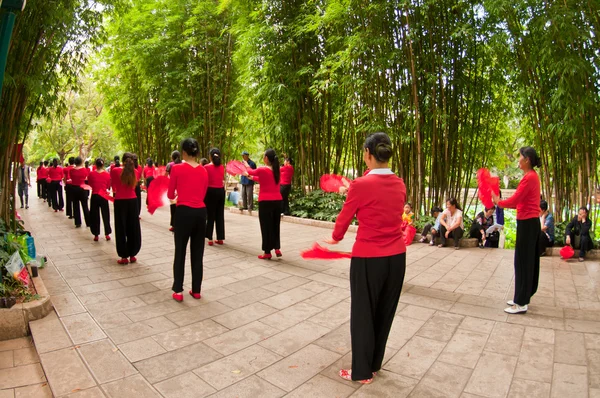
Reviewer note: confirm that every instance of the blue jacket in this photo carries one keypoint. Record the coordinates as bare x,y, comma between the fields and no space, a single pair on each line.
550,224
245,180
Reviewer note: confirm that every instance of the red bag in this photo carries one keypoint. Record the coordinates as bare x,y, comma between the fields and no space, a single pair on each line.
567,252
409,234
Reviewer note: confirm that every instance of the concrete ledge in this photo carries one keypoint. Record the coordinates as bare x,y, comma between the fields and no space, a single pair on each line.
14,322
464,242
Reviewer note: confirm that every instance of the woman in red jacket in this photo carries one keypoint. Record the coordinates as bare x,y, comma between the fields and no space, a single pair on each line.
55,175
188,183
79,197
269,203
128,233
378,257
526,200
99,180
287,173
215,198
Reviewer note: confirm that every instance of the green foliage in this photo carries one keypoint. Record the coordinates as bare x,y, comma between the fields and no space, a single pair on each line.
317,205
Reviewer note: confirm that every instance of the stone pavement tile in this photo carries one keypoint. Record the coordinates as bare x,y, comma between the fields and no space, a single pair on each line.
139,330
159,296
105,361
290,316
539,321
242,337
569,348
82,328
321,386
49,334
594,393
482,301
569,381
219,281
582,315
187,385
97,287
7,393
34,391
416,312
464,348
93,298
292,371
333,316
243,299
535,362
403,329
438,294
440,327
492,376
6,359
199,313
386,385
113,320
233,368
251,387
66,371
493,314
593,363
25,356
592,341
582,326
242,316
15,344
110,307
442,380
21,376
134,386
539,335
78,281
338,340
188,335
546,311
145,278
294,338
66,304
424,301
477,325
141,349
288,298
129,291
343,283
506,339
470,286
173,363
313,286
329,297
153,310
94,392
249,284
566,300
416,357
527,388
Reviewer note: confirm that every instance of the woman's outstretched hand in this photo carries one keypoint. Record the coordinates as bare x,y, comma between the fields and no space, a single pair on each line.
330,241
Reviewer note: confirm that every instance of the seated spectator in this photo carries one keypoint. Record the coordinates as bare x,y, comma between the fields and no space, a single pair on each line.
234,197
432,228
547,223
408,214
451,223
578,233
482,222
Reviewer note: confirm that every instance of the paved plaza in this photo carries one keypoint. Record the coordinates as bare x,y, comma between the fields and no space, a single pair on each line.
281,327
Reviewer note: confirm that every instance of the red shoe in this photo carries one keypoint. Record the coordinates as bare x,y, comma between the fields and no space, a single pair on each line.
123,261
219,242
61,209
278,253
95,238
132,259
197,296
171,229
55,211
178,297
266,256
347,375
107,237
210,243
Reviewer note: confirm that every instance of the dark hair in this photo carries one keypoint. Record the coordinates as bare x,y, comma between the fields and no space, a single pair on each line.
55,162
135,161
215,156
99,163
585,209
408,204
204,161
380,146
435,209
490,208
454,202
71,160
149,162
41,164
274,163
289,160
77,161
530,153
45,163
235,188
544,205
190,146
176,156
116,160
128,177
87,163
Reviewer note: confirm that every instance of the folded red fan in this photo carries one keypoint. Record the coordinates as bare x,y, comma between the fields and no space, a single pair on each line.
157,193
235,168
106,195
567,252
487,185
86,187
318,252
333,182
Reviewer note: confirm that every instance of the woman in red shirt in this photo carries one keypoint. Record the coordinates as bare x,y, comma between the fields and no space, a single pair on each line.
215,198
128,233
138,187
526,200
79,197
188,183
378,257
55,175
287,173
99,180
42,176
269,203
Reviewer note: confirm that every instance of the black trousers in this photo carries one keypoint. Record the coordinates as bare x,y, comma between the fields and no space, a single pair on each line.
527,260
545,242
285,194
128,233
585,243
138,195
44,186
40,190
56,193
455,234
269,216
69,195
375,287
49,193
215,212
426,228
99,205
190,225
148,182
475,232
80,199
173,211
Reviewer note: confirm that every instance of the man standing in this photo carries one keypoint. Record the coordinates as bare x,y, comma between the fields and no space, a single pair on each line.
24,184
247,185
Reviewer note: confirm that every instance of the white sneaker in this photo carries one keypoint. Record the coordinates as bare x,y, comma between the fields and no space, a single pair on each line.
516,309
510,302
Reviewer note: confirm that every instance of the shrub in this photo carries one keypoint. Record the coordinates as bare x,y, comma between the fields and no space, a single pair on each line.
317,205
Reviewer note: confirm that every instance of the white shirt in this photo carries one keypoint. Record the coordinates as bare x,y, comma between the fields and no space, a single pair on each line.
451,219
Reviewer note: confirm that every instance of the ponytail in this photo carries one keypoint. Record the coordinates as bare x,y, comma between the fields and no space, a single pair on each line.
215,156
274,161
128,177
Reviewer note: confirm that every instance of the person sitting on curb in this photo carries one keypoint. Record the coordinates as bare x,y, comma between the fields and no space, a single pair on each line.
432,228
547,223
579,227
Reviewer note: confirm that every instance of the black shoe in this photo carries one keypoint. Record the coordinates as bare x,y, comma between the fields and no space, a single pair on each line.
78,226
70,217
244,208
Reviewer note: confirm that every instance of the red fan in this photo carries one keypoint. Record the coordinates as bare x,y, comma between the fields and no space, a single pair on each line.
333,182
86,187
318,252
486,186
409,234
235,168
160,171
157,193
106,195
567,252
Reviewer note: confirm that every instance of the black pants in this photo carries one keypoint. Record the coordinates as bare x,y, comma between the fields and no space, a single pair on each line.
215,212
128,233
426,228
585,243
173,211
49,193
69,195
99,205
56,192
475,232
545,242
269,216
455,234
148,182
138,195
40,190
285,194
527,260
190,224
80,199
44,186
375,287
